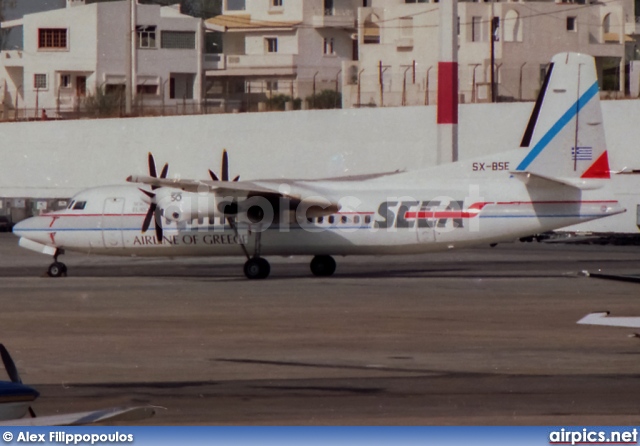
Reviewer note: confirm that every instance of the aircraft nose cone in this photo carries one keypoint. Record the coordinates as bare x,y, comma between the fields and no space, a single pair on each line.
28,227
19,228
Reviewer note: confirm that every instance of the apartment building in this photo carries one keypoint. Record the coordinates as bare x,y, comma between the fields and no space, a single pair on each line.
398,48
70,53
289,47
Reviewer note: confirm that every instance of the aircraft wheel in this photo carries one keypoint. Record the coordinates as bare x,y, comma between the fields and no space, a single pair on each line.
257,268
57,269
323,266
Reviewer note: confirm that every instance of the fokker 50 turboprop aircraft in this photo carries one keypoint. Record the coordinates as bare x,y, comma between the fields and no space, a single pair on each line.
558,177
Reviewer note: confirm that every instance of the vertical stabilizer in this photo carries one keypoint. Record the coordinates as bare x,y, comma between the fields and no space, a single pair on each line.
565,134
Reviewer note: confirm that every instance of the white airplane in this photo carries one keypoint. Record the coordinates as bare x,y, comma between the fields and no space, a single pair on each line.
16,399
558,177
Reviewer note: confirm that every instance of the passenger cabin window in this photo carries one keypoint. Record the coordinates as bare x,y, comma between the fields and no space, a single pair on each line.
320,219
332,220
79,205
356,219
367,219
345,219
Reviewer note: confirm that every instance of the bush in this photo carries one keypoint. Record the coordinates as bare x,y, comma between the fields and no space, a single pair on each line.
277,102
102,104
326,99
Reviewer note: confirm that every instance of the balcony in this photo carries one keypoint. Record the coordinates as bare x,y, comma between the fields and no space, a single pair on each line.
257,65
12,58
335,18
213,61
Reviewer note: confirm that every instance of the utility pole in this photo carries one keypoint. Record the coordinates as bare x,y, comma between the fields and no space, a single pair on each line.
494,30
128,60
447,113
134,50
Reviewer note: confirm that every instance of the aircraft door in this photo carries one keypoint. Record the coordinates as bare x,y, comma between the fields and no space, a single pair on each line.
112,222
426,231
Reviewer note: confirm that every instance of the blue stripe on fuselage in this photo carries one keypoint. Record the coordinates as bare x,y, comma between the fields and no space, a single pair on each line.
558,126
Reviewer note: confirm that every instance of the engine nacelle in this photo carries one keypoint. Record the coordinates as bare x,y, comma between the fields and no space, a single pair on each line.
181,207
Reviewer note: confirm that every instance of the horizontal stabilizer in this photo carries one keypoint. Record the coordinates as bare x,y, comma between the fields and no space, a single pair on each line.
538,180
112,415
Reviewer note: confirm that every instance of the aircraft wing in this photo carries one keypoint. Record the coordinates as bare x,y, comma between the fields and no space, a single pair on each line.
240,189
111,415
603,319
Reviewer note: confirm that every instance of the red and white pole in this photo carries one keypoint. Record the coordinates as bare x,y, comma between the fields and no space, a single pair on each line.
448,83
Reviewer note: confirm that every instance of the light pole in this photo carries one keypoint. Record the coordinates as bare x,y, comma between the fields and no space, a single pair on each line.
359,87
520,83
426,87
404,86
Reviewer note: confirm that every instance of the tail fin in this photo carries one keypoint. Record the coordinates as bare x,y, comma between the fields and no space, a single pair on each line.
565,134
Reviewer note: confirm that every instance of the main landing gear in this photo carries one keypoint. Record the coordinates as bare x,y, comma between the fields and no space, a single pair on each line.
323,266
57,269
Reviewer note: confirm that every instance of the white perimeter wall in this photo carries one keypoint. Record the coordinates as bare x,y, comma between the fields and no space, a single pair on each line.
58,158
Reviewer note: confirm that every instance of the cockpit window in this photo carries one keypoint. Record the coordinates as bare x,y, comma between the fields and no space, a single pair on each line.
79,205
71,204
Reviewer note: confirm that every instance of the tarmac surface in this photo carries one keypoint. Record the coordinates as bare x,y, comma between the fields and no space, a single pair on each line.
482,336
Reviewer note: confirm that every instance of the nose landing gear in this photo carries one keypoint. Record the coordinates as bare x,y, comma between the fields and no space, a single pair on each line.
57,269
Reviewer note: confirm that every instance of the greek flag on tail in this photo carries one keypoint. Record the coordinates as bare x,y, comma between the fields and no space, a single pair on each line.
565,135
582,153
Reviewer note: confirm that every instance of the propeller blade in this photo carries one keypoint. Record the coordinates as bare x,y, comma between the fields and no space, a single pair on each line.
152,166
147,219
158,224
147,193
9,365
214,177
225,166
165,171
237,178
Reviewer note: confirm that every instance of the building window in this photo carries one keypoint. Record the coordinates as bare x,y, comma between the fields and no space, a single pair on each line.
476,29
178,40
572,24
271,44
65,80
371,31
329,46
39,81
146,36
52,38
147,89
272,85
277,3
416,1
236,5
